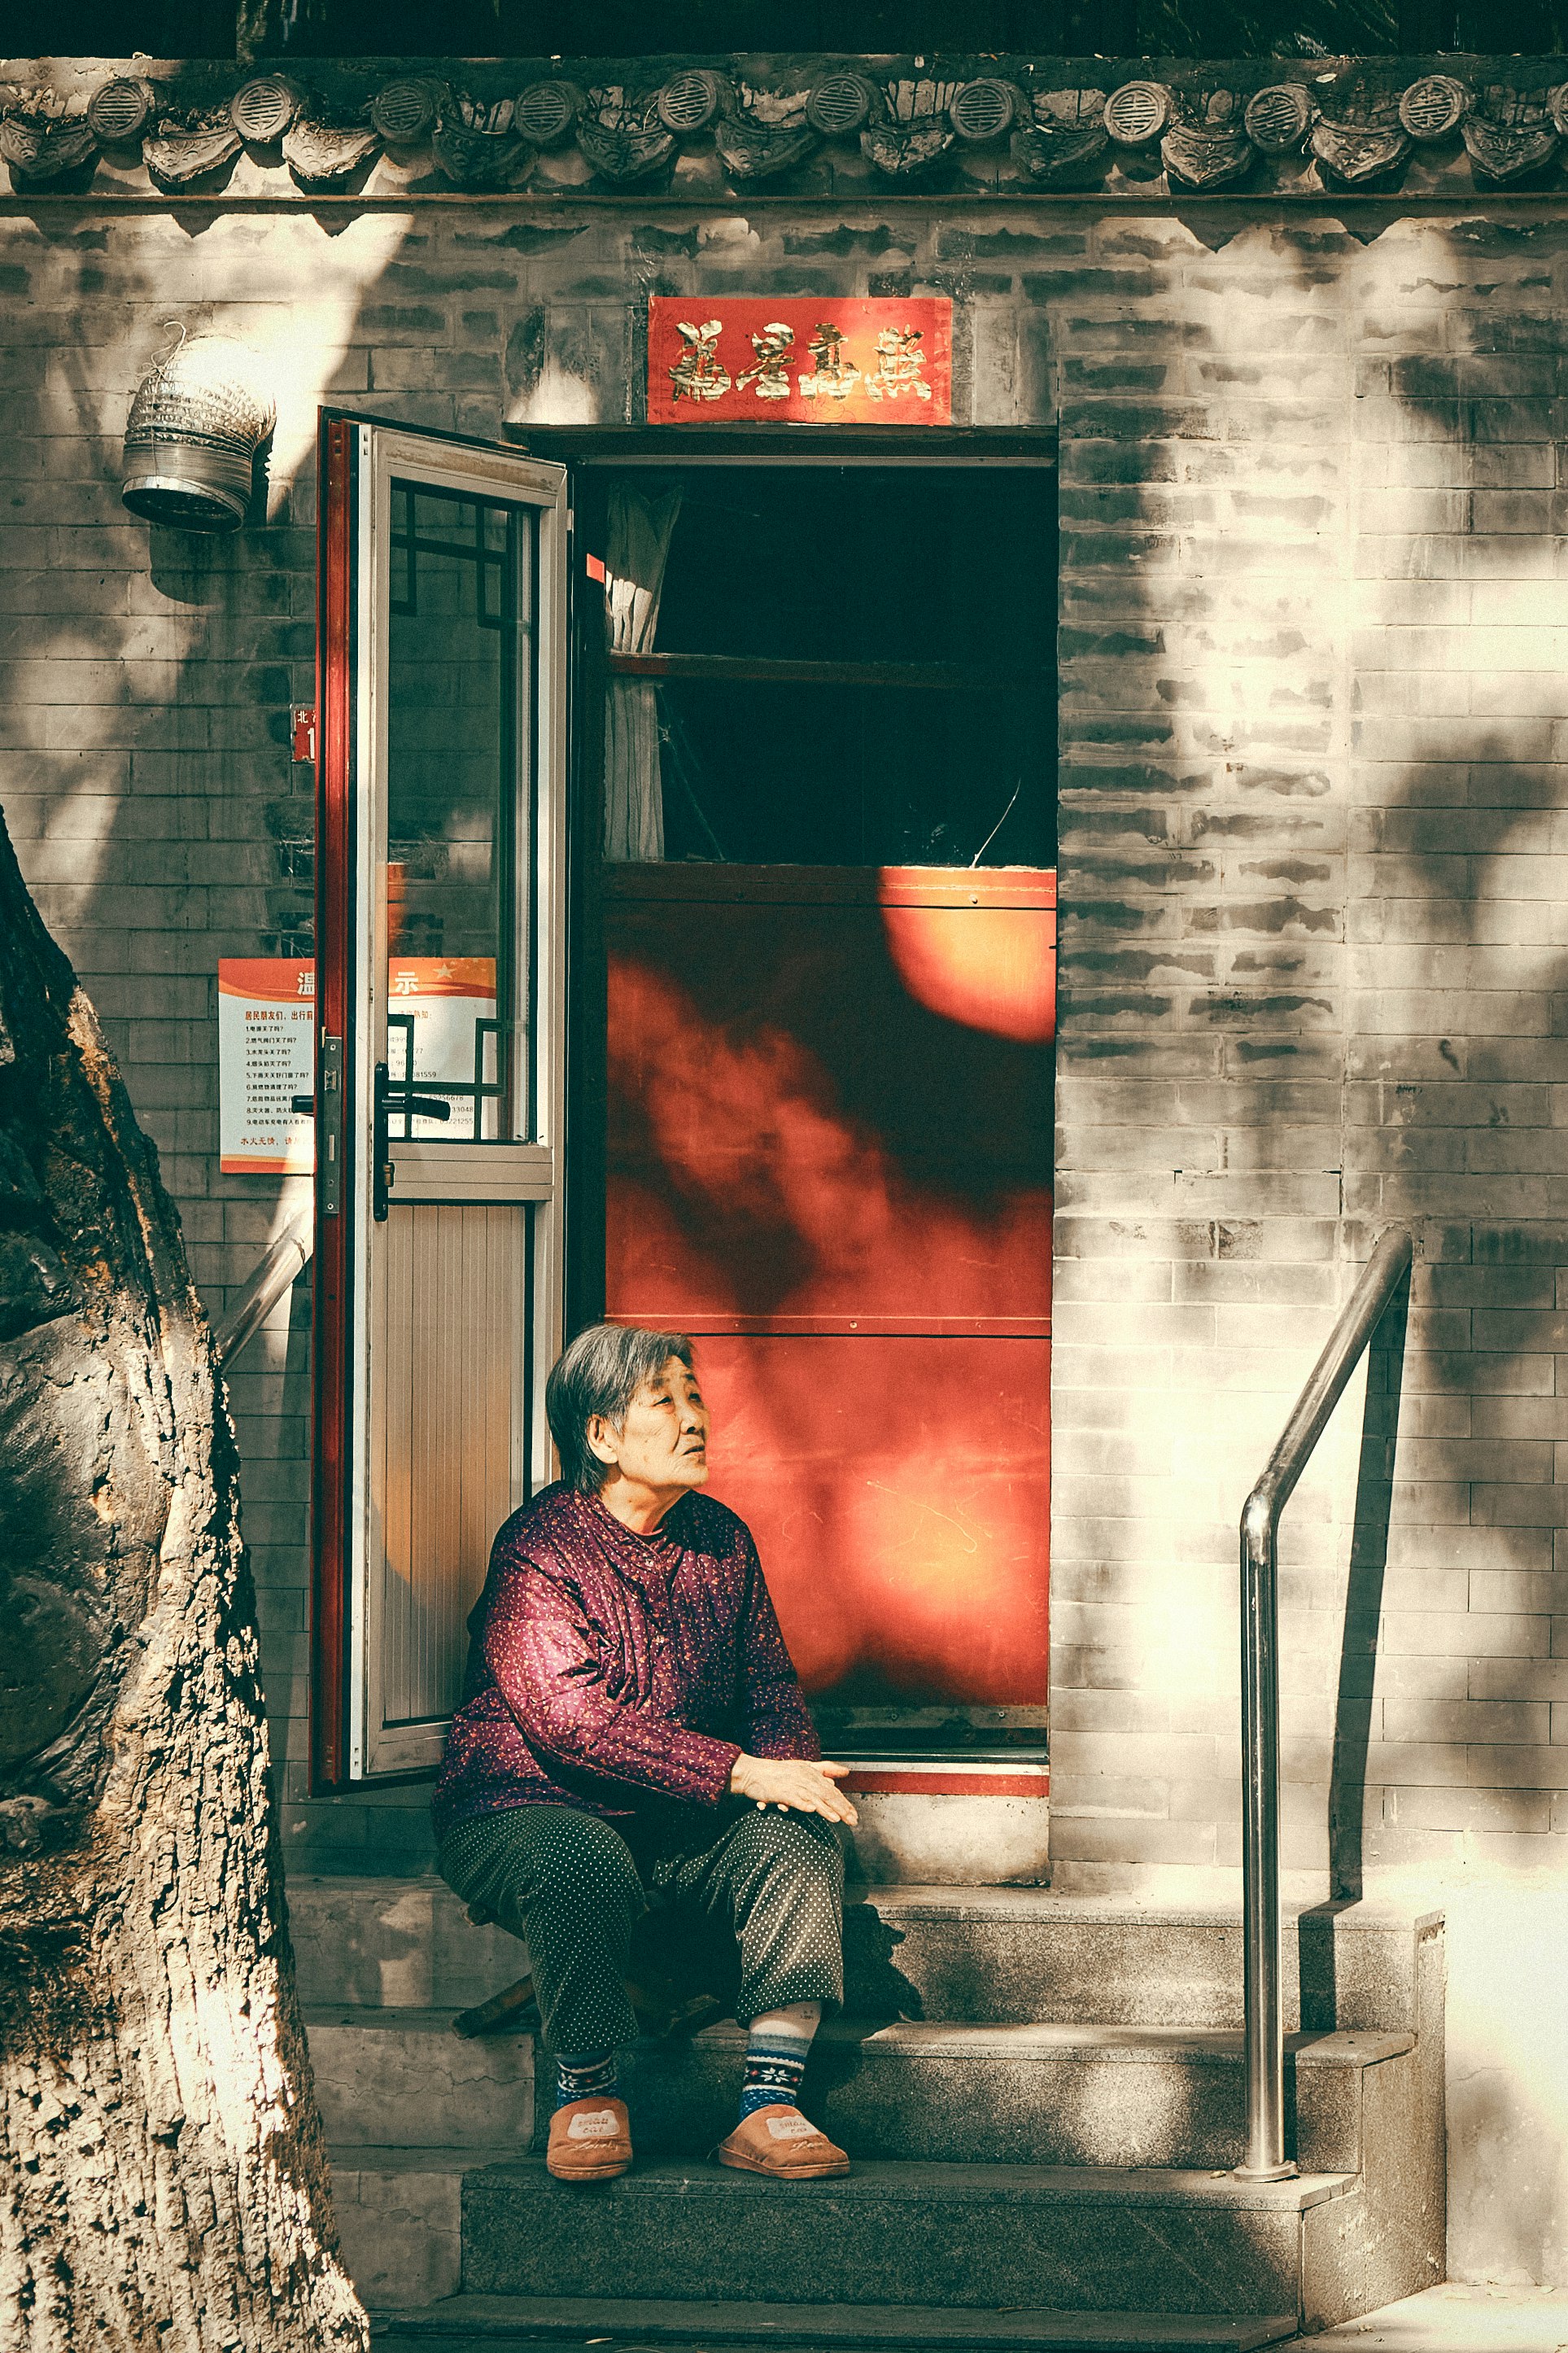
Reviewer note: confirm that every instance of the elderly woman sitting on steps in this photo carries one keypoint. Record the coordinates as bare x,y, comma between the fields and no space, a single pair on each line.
632,1725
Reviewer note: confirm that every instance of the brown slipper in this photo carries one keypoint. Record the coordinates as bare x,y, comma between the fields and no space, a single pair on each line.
590,2140
783,2144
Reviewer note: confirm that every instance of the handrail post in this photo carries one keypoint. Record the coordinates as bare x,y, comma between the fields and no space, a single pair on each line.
1266,2159
1380,1279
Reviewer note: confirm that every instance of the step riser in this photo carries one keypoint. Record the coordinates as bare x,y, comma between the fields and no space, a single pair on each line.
403,2079
486,2324
395,2085
1090,2239
394,1943
399,2233
379,2088
409,1944
1087,1974
803,2242
1002,2112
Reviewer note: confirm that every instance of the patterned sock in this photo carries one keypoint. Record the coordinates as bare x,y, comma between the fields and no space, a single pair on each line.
585,2075
777,2047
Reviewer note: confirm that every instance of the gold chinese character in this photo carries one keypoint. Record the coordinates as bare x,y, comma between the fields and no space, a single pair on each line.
773,345
834,377
700,373
898,366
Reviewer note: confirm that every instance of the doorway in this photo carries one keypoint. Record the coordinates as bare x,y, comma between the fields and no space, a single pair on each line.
824,898
800,1046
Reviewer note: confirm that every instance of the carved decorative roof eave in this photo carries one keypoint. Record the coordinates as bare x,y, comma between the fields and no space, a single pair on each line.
700,130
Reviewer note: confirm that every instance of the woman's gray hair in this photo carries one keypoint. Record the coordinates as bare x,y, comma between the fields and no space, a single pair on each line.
600,1372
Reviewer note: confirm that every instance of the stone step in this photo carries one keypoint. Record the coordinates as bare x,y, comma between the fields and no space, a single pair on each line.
1016,1954
403,2079
399,2218
1006,1954
497,2323
397,1943
1080,2238
1030,2095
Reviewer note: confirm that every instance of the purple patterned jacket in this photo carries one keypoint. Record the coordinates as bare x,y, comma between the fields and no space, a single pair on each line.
611,1671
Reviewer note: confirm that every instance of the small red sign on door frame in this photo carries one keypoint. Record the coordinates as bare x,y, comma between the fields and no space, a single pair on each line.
812,359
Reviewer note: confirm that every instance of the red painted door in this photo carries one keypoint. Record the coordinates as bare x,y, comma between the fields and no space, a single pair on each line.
829,1153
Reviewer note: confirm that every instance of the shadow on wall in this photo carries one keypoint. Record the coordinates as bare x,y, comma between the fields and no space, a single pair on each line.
1508,2085
1467,1057
1317,941
1204,831
1349,920
1463,1038
147,778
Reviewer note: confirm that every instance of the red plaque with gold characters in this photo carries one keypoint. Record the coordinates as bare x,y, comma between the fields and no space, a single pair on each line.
802,360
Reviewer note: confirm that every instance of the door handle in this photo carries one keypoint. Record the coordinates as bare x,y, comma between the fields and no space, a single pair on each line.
380,1150
395,1096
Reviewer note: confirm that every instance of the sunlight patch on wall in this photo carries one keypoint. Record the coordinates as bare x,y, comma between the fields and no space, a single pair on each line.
979,967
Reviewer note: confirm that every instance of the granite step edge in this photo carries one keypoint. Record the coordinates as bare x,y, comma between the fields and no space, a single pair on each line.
1015,1904
937,2039
489,2323
888,2180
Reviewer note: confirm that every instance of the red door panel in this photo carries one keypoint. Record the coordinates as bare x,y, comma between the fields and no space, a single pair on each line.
896,1490
829,1141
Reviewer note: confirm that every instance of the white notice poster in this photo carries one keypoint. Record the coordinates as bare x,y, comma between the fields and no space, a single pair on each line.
267,1056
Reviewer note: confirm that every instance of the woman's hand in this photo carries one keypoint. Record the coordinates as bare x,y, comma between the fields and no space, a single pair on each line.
793,1781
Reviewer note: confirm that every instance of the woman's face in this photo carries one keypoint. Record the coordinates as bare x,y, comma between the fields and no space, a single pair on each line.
663,1443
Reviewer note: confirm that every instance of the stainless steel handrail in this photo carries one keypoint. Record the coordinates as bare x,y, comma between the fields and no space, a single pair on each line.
1381,1277
282,1266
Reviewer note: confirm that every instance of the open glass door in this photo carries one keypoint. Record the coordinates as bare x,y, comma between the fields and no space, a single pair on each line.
440,940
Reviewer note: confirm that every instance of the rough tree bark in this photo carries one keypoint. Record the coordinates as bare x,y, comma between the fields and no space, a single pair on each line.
163,2177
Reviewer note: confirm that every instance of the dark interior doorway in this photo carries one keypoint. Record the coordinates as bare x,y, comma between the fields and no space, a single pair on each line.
930,593
824,902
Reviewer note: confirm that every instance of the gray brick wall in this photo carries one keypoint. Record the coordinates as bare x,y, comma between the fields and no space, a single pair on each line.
1312,638
1310,873
146,676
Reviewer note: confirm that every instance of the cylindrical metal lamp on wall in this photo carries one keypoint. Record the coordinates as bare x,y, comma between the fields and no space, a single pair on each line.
195,425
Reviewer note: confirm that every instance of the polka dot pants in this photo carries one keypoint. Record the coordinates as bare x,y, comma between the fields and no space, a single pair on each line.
571,1888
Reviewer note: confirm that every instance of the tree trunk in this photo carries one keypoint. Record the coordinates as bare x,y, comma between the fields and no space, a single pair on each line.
163,2177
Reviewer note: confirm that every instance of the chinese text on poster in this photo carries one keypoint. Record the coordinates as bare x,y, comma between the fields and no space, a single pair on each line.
267,1056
